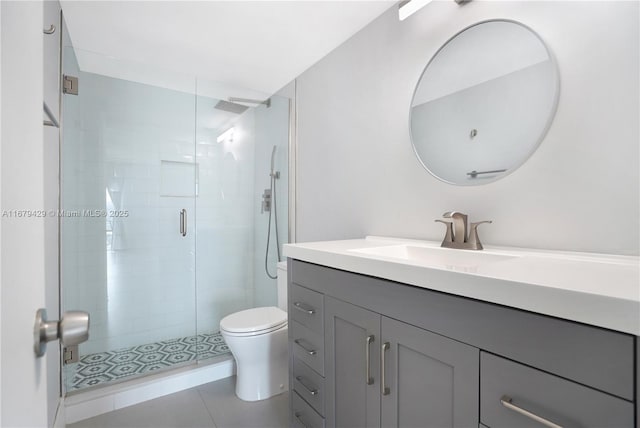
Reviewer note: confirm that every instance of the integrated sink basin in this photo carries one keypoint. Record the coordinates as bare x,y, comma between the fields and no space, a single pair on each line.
464,260
595,289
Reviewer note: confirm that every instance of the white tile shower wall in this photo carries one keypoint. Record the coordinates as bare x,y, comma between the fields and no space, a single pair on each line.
358,174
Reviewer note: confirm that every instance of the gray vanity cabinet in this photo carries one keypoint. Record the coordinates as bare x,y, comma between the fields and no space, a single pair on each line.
373,360
368,352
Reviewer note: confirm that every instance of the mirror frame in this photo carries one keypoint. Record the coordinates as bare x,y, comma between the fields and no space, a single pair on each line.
544,130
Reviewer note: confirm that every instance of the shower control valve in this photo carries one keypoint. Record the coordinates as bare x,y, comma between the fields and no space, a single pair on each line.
266,201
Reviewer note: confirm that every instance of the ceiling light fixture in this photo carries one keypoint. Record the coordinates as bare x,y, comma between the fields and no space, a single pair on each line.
407,8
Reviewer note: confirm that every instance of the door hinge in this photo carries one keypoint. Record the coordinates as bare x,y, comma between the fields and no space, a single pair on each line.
70,354
70,85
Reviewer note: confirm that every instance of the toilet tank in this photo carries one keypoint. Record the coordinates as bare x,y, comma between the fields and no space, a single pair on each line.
282,285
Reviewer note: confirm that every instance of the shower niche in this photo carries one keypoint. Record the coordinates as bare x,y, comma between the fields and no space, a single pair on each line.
180,239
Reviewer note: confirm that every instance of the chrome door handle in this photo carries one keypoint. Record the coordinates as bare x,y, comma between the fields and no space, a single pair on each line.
312,391
307,350
383,381
506,401
298,416
72,329
367,356
304,308
183,222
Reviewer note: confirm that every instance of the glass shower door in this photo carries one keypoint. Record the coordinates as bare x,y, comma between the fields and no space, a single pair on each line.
128,189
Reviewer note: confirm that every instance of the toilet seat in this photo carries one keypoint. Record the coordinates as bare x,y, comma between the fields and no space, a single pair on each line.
253,322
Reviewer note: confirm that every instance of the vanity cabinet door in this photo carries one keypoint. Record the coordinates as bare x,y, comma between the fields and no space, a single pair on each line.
432,381
352,345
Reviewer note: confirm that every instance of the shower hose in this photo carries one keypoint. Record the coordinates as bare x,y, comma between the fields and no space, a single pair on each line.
275,217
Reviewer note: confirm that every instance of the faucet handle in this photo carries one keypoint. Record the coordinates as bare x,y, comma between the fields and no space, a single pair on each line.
453,214
448,237
460,231
474,240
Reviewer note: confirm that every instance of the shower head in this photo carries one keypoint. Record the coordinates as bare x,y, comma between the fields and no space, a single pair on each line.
266,102
231,107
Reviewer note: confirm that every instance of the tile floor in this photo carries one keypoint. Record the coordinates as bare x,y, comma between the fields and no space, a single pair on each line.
212,405
104,367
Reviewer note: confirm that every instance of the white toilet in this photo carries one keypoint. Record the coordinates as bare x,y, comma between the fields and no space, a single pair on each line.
257,339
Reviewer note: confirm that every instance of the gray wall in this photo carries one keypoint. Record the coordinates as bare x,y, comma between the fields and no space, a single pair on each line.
358,175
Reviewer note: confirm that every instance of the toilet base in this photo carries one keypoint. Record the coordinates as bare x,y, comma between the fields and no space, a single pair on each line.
252,385
262,367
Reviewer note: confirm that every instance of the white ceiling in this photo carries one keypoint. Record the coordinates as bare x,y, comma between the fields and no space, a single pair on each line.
258,45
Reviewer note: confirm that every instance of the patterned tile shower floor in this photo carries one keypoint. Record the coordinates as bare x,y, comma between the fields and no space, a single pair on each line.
103,367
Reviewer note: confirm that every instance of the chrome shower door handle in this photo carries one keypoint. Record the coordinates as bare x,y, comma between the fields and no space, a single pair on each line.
367,356
183,222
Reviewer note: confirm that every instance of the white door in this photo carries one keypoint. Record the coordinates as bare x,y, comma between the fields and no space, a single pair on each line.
29,386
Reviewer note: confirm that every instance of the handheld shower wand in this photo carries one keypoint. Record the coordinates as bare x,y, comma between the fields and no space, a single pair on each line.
273,173
271,193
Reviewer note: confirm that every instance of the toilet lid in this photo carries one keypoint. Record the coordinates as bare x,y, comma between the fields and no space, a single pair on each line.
255,319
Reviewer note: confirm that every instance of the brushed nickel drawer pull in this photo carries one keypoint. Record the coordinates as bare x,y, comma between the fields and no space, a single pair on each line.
298,416
304,308
307,350
506,401
367,356
383,382
312,391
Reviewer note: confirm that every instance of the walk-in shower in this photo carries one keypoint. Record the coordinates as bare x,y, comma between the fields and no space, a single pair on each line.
177,240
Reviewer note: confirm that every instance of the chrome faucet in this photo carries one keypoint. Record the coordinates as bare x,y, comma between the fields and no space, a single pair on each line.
457,235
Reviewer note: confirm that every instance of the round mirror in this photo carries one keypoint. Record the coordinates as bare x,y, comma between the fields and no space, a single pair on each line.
483,103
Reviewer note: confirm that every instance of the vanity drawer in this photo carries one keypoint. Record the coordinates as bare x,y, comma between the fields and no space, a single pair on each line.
307,307
555,399
303,415
309,384
307,346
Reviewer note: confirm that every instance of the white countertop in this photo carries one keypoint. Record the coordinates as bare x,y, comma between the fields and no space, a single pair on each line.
600,290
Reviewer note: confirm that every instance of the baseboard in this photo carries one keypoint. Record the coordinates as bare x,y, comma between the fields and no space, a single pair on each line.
82,406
